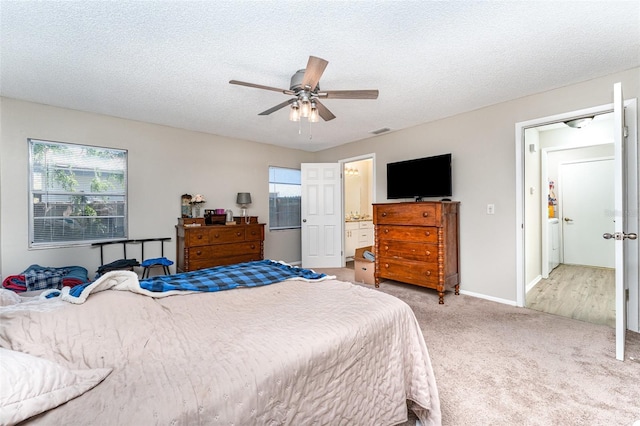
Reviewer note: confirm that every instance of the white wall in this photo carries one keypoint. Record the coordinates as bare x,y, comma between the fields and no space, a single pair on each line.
483,146
164,163
167,162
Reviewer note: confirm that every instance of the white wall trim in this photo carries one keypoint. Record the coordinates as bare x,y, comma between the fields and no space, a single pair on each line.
533,283
485,297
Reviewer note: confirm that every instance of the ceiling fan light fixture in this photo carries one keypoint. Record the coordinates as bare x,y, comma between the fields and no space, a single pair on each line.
305,90
294,113
579,123
313,114
305,107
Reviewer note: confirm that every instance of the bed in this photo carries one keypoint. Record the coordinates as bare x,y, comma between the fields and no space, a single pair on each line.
299,351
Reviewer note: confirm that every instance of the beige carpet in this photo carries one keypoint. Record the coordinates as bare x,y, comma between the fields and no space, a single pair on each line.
500,365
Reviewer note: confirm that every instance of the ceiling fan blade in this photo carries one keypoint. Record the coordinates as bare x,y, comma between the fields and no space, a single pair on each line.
277,107
324,111
259,86
313,72
349,94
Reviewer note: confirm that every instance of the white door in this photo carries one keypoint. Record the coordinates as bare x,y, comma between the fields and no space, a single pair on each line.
321,215
586,194
619,227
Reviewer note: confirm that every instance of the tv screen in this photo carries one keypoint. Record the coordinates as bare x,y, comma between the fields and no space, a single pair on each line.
422,177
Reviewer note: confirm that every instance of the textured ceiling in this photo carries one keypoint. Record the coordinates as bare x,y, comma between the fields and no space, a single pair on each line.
169,62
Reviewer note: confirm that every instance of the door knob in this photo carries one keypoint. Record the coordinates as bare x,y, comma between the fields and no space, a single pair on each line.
304,220
567,219
620,236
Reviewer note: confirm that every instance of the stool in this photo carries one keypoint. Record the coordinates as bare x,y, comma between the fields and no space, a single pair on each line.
157,262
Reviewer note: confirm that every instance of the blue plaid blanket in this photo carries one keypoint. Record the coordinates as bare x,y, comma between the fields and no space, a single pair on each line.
249,274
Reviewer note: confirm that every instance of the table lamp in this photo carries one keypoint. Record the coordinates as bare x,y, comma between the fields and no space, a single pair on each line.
243,199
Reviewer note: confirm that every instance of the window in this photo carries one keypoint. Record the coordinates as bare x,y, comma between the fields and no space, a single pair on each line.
284,198
77,194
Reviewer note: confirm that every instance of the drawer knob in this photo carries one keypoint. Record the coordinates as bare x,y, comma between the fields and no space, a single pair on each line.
384,214
238,234
427,233
386,247
428,253
425,214
386,231
199,236
198,252
386,265
216,235
428,273
253,246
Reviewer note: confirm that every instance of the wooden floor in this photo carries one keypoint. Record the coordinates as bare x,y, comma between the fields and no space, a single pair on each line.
580,292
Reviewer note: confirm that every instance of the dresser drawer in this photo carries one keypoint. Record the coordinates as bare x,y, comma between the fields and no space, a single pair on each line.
421,214
196,237
237,249
197,253
407,233
423,252
421,273
226,234
254,233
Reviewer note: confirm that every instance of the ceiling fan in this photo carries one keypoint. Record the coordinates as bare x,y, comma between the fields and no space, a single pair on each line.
306,93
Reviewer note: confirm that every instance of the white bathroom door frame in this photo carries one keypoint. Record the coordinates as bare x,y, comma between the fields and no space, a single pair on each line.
342,162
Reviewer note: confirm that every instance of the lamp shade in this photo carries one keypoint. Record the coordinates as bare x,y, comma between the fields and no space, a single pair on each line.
243,198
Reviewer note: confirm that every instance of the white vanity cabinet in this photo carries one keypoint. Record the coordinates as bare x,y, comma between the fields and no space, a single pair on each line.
350,238
357,234
365,233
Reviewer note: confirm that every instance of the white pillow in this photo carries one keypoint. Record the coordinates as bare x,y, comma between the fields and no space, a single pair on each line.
30,385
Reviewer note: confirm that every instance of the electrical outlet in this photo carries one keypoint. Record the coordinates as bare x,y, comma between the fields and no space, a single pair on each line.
491,208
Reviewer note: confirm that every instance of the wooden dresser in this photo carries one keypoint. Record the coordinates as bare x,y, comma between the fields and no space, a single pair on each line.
206,246
417,243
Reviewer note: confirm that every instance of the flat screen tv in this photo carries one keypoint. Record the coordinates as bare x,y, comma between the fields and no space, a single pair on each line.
421,177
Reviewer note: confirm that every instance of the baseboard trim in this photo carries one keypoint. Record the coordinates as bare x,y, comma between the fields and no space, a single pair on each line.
533,283
491,298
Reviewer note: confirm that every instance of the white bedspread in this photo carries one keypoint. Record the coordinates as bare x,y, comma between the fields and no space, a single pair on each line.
292,353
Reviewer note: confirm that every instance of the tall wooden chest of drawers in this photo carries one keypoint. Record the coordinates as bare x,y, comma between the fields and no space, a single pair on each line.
417,243
206,246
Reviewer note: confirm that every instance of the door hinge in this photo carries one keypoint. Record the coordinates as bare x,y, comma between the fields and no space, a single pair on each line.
626,294
625,131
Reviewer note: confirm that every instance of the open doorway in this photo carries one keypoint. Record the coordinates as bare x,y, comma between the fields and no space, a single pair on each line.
358,198
540,246
569,174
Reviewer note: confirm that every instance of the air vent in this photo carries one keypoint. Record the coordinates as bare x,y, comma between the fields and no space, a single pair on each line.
379,131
